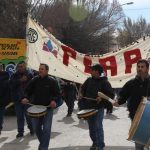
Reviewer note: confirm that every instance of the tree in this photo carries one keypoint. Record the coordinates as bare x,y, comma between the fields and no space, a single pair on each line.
132,31
87,26
13,14
88,35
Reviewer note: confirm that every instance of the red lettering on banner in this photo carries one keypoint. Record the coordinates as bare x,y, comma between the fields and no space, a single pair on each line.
68,52
130,61
112,66
87,62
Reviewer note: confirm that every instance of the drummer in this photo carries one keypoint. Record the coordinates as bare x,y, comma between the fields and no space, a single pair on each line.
134,90
44,90
90,88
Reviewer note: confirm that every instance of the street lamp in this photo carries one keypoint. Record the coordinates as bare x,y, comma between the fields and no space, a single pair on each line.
129,3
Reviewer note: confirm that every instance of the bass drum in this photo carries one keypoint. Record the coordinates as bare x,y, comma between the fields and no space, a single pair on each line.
140,128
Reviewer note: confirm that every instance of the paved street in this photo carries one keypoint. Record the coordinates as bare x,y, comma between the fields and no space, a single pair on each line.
70,133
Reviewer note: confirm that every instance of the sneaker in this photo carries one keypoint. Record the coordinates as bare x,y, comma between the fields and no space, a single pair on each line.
19,135
93,147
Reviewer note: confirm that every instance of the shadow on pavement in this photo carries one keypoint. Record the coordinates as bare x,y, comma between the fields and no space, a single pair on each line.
54,134
82,124
21,143
3,139
67,120
17,144
119,148
87,148
111,117
10,126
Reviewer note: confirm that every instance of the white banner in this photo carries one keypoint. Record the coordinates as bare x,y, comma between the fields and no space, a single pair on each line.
66,63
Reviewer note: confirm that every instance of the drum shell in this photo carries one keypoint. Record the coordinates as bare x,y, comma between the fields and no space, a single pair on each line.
87,114
36,115
140,128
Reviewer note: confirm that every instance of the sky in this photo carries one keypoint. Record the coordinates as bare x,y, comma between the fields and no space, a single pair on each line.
137,9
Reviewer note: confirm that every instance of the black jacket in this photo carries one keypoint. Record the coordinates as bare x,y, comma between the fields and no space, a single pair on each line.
132,92
91,87
4,88
17,86
40,91
69,91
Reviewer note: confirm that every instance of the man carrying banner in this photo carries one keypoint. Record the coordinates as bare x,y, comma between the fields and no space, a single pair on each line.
134,90
43,90
90,88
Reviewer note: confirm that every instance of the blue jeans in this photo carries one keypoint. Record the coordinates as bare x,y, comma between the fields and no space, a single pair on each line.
96,132
42,128
21,114
2,112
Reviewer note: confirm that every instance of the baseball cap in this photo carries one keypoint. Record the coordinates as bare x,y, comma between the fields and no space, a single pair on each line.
97,67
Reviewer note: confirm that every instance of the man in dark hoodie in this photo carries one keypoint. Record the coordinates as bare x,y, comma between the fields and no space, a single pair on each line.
134,90
90,88
4,93
18,83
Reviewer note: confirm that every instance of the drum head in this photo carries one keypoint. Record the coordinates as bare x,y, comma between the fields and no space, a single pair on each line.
37,111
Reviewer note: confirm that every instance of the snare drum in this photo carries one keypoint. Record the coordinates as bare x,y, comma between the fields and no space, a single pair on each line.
84,114
140,128
37,111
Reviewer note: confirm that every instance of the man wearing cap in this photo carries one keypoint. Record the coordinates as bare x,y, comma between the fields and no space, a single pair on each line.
96,83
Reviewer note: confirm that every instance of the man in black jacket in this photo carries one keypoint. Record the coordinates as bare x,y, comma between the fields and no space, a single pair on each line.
90,88
18,83
4,93
43,90
134,90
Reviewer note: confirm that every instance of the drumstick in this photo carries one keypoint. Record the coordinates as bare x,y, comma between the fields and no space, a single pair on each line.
102,95
9,105
93,99
79,92
30,104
